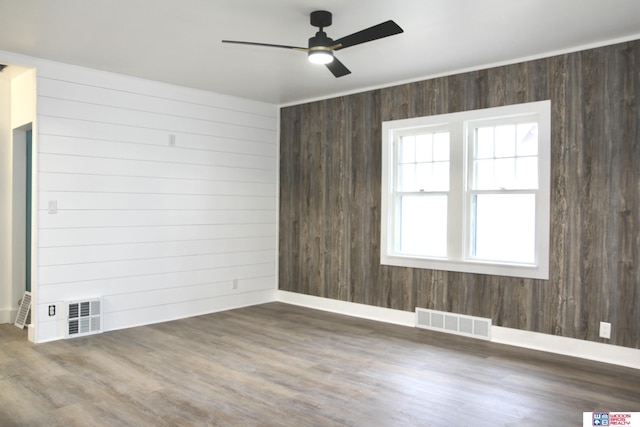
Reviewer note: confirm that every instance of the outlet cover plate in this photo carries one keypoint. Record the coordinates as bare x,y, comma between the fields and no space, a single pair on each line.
605,330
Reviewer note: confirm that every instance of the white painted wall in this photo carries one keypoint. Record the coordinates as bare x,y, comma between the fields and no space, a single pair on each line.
23,99
158,231
6,293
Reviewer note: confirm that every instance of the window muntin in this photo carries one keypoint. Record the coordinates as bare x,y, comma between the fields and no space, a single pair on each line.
483,207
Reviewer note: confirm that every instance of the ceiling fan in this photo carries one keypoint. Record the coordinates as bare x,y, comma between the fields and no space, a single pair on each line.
321,47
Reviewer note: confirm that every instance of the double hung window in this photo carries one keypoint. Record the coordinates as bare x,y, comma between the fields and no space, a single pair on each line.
468,191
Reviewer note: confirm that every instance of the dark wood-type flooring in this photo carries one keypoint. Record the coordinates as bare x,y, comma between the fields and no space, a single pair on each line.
282,365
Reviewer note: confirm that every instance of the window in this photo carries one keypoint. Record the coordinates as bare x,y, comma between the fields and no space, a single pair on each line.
469,191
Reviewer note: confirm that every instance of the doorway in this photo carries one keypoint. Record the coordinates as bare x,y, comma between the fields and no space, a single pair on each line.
21,202
17,189
29,192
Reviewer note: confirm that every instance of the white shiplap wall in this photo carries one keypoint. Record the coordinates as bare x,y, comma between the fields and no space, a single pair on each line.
158,231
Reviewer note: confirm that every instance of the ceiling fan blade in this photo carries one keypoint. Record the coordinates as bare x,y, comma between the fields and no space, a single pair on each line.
303,49
385,29
337,68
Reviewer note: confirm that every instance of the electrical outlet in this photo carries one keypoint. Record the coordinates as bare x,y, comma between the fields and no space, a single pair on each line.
605,330
52,311
235,283
172,140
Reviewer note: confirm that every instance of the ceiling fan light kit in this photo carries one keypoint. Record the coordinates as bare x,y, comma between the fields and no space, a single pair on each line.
320,56
321,48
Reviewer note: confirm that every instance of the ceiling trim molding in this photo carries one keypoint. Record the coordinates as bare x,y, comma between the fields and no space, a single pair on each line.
550,54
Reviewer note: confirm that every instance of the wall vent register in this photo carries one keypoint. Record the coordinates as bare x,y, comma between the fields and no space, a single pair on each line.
84,317
453,323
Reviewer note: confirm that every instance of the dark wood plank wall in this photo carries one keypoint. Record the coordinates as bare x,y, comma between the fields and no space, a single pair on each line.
330,197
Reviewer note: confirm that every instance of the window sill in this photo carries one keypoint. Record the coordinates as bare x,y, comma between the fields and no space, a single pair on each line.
525,271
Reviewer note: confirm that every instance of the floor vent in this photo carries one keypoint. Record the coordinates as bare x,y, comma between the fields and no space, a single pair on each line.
84,317
453,323
23,311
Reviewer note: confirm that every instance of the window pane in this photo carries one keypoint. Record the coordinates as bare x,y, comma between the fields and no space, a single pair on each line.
407,178
484,143
527,172
505,170
440,176
504,228
408,149
441,146
483,175
528,139
506,141
424,147
424,173
423,227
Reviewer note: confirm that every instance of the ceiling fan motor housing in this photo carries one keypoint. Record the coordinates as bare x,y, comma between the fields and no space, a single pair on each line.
320,19
320,40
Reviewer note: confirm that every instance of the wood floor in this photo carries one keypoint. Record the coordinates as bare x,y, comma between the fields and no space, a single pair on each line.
281,365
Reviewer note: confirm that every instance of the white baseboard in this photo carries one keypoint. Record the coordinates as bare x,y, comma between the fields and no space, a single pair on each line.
600,352
397,317
8,315
52,330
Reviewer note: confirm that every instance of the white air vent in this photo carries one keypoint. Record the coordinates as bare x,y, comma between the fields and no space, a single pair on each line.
84,317
453,323
23,311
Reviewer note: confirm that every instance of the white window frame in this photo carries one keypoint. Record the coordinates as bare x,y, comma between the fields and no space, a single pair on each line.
458,205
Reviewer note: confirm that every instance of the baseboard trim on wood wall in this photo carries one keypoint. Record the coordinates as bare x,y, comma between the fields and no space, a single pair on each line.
600,352
398,317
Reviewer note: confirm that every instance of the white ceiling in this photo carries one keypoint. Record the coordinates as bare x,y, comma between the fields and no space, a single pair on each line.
178,41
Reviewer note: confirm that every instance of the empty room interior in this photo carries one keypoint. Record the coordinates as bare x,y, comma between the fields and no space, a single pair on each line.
299,213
